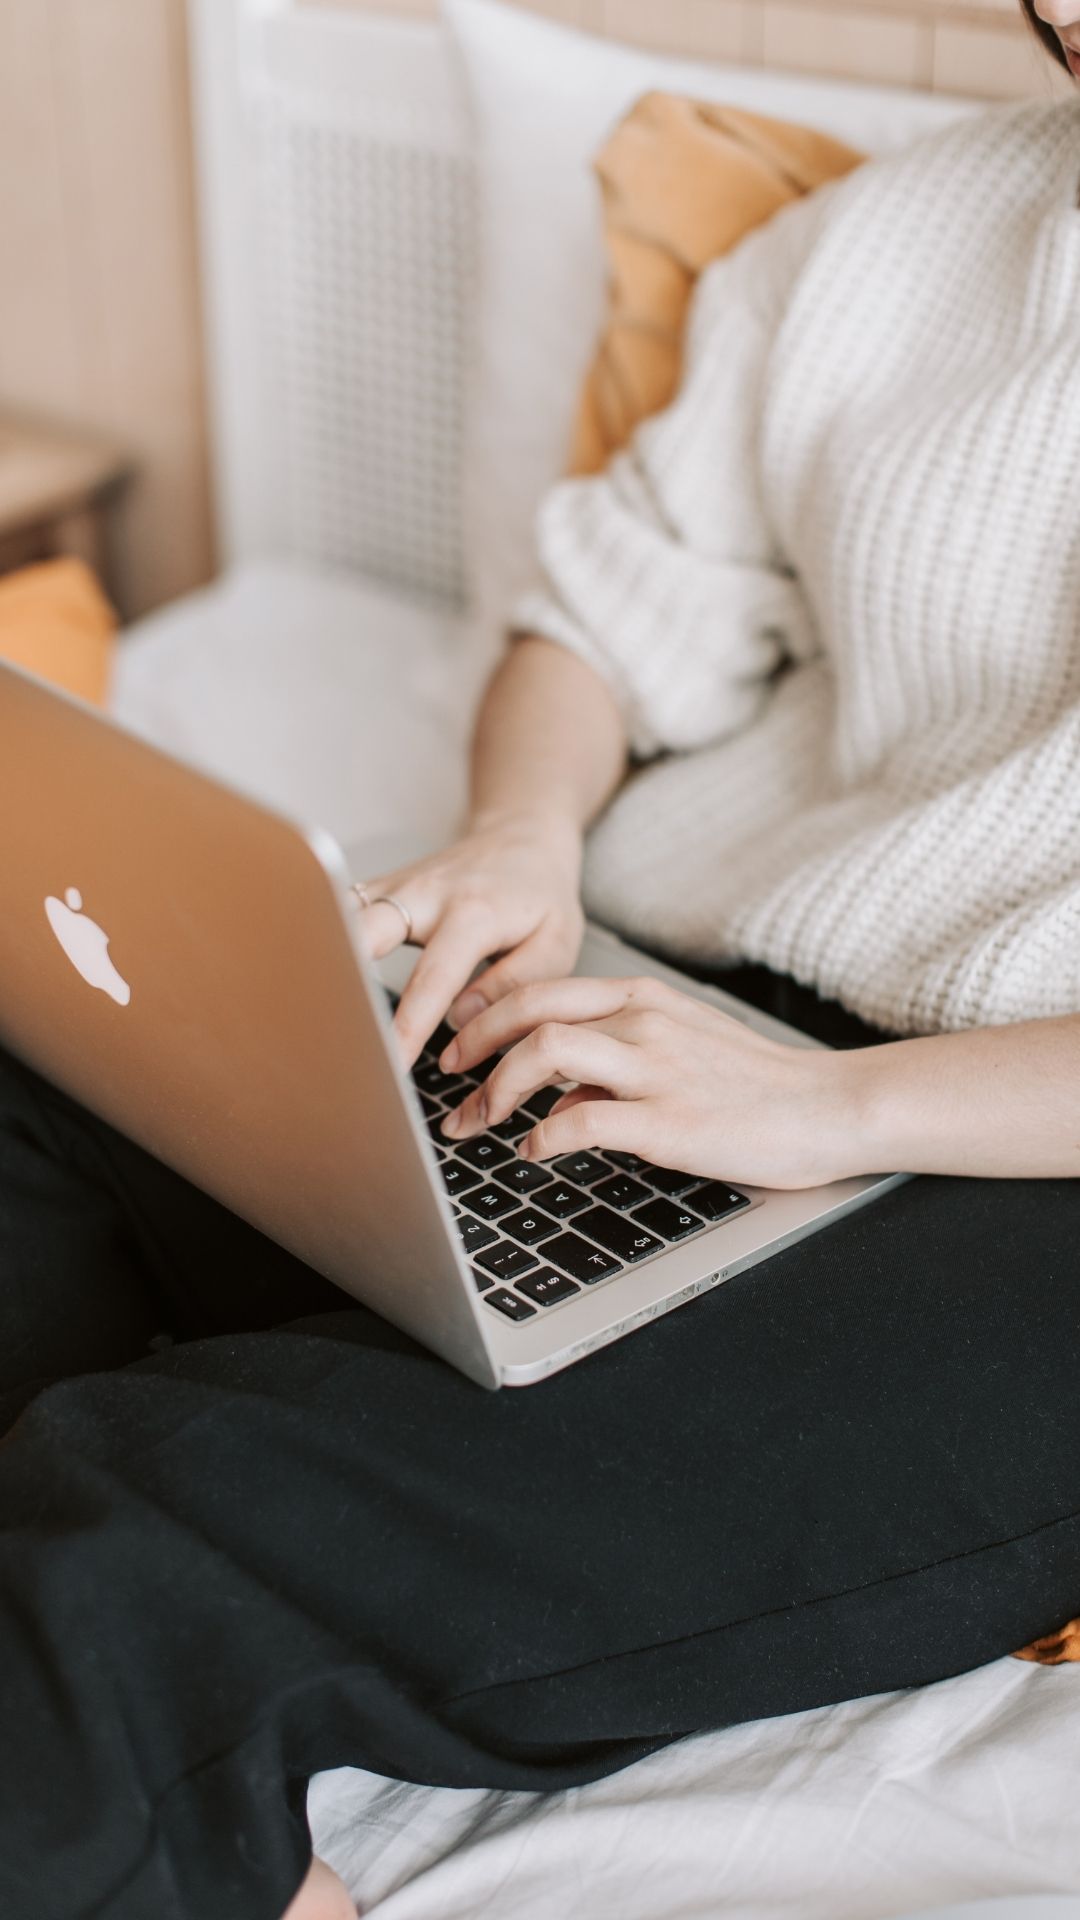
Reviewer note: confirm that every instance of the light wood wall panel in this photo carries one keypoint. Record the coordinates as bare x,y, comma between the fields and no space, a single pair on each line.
869,45
977,47
705,29
99,309
987,58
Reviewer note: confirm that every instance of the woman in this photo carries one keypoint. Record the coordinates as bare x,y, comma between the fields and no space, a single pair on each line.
833,596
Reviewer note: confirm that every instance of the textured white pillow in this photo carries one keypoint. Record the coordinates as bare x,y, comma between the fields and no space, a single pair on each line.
543,99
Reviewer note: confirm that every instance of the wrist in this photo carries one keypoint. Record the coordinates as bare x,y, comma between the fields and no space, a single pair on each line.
862,1126
541,820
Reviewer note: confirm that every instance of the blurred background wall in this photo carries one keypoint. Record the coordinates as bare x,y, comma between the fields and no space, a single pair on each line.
99,302
99,295
963,46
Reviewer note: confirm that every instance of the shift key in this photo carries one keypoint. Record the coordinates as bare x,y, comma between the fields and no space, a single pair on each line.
621,1236
574,1255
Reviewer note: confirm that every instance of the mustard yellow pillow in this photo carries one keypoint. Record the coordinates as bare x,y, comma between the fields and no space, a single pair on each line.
682,182
56,621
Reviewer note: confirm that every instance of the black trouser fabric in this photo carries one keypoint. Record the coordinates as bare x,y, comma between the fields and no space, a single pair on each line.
249,1531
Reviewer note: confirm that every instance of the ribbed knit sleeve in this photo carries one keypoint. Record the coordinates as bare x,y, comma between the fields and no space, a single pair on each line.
663,572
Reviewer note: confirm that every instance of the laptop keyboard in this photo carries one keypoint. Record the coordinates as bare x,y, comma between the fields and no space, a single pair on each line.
536,1235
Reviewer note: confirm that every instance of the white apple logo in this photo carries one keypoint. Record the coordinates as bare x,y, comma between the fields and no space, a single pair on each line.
86,945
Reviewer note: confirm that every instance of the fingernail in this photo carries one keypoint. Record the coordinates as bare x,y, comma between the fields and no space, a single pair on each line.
525,1147
452,1121
482,1107
467,1008
450,1056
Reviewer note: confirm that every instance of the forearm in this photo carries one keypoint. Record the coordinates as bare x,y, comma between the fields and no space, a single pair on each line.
1000,1102
549,739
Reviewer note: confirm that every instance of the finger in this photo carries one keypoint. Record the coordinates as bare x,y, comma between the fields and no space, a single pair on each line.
545,955
450,956
383,929
552,1052
527,1008
604,1122
574,1096
415,878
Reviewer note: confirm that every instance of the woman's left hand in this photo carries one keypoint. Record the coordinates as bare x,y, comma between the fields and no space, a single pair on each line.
662,1075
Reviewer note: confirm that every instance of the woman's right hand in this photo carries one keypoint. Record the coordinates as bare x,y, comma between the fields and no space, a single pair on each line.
507,892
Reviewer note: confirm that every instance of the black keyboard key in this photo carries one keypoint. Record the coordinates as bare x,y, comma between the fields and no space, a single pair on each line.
506,1261
629,1162
715,1201
519,1123
586,1263
458,1179
481,1281
523,1176
585,1168
668,1180
474,1234
509,1304
564,1200
485,1153
530,1226
430,1078
541,1103
440,1040
668,1220
621,1192
490,1203
432,1108
627,1238
547,1288
478,1074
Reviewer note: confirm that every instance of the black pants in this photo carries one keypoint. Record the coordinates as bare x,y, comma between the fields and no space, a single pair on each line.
291,1539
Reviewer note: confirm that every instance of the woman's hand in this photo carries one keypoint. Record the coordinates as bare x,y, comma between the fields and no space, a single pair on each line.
509,887
662,1075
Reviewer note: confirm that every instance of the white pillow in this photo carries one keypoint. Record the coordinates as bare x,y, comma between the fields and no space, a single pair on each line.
543,99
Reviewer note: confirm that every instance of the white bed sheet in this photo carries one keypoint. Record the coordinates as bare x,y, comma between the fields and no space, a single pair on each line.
341,703
328,697
873,1808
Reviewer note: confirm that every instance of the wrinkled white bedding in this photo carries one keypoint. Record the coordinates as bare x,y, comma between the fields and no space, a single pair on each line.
874,1808
342,704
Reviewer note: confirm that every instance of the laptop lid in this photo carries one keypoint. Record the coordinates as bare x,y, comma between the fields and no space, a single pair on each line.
186,963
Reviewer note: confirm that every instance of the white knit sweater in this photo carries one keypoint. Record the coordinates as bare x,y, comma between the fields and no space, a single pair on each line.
836,589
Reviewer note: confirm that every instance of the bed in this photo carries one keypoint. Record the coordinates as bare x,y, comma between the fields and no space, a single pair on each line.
331,670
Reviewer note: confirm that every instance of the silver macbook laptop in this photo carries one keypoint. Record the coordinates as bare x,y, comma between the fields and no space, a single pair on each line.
187,964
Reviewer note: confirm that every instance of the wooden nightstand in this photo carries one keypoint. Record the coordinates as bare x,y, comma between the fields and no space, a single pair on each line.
55,493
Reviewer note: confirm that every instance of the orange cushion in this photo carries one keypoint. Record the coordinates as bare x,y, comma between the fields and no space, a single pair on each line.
56,621
681,183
